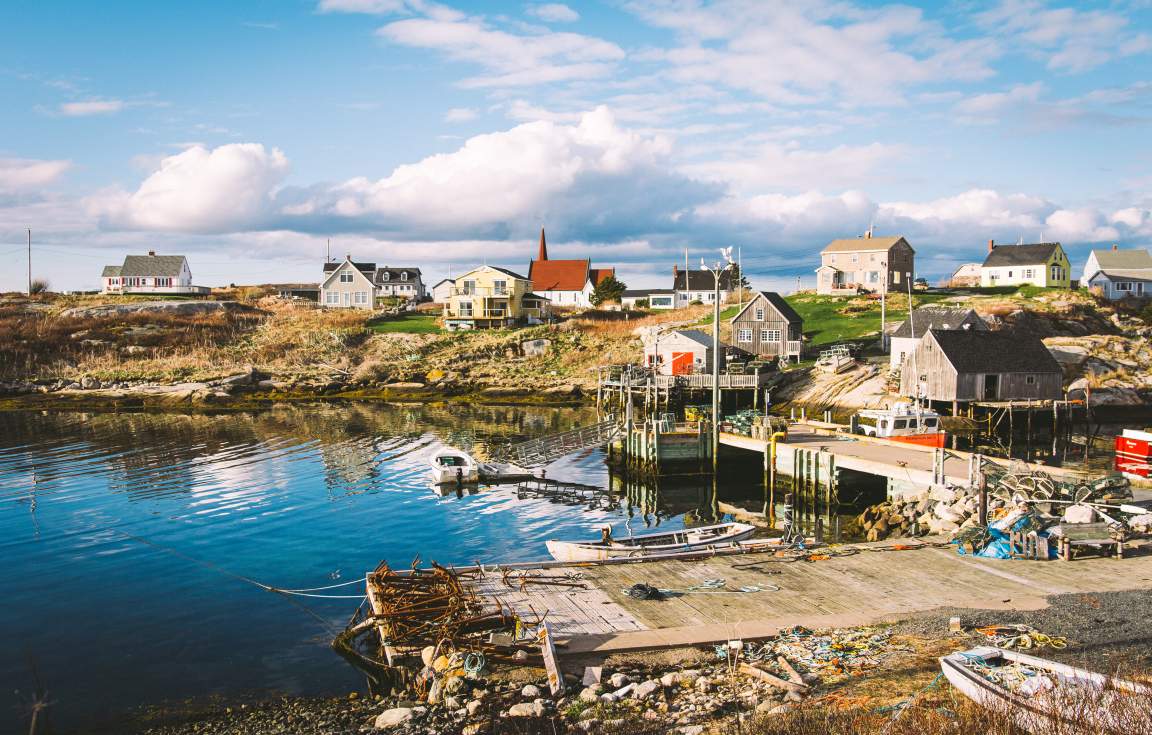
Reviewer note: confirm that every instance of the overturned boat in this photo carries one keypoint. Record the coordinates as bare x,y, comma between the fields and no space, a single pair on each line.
1044,696
703,538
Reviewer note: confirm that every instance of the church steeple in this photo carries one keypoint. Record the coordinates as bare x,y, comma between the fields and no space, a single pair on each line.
543,255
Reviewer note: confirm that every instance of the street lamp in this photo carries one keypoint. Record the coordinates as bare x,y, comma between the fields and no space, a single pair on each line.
716,272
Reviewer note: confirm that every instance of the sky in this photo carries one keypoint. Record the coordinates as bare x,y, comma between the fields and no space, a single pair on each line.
444,135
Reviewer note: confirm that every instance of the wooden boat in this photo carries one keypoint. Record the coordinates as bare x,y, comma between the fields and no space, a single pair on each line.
835,360
904,422
686,540
1041,694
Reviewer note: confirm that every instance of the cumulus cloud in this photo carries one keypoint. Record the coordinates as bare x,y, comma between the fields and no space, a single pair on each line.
199,190
593,174
87,108
792,168
23,174
554,13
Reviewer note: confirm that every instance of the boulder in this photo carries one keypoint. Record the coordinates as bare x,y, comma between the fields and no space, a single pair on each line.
393,717
530,691
618,680
590,694
942,494
646,689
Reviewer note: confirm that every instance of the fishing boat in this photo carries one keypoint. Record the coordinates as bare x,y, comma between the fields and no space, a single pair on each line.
835,360
1043,696
453,465
651,544
904,422
1134,454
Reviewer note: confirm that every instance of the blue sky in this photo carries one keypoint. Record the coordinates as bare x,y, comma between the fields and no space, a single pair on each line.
446,134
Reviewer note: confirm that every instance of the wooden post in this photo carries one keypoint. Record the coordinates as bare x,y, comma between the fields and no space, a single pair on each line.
982,484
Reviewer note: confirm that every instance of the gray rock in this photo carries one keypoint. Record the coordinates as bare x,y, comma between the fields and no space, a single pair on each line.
393,717
646,689
590,694
527,709
530,691
473,707
618,680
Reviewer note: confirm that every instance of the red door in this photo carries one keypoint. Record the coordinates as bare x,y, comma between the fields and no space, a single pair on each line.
682,363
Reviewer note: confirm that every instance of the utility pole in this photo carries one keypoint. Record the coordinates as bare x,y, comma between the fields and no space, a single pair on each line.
328,252
29,261
883,307
716,273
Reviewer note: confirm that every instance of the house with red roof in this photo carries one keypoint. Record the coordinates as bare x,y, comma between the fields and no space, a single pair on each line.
565,282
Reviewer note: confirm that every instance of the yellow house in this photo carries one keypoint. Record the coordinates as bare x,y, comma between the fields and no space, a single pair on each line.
1037,264
488,297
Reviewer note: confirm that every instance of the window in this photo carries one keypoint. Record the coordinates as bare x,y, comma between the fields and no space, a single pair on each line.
896,277
469,287
361,297
345,278
1123,285
1057,273
855,258
900,424
874,276
769,335
930,422
1030,380
465,308
331,297
387,276
500,288
744,335
1009,274
404,276
759,315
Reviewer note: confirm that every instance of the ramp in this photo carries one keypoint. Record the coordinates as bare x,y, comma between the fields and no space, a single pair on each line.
539,452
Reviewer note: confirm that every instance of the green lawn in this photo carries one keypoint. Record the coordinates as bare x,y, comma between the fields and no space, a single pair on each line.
826,321
411,323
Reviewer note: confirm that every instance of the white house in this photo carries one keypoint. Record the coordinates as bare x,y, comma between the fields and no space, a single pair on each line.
1119,274
442,291
404,283
656,298
151,273
700,285
348,285
682,352
907,336
1043,264
565,282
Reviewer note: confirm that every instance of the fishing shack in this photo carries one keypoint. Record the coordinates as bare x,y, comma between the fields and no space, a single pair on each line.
967,366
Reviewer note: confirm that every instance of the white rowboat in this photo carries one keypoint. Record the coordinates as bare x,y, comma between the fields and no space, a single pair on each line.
703,538
452,465
1044,696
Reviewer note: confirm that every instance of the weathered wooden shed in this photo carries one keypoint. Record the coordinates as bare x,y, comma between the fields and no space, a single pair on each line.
904,340
683,352
768,326
976,365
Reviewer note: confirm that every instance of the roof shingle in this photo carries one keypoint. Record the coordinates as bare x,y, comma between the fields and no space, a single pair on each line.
937,317
994,352
1036,253
152,265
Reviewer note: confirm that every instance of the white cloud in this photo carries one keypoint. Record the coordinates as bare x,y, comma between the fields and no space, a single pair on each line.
91,107
753,169
1068,39
510,59
987,108
460,114
23,174
228,188
983,208
374,7
554,13
800,53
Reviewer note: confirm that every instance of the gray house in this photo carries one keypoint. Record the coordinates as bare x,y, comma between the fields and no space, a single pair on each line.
348,285
908,334
768,327
965,365
404,283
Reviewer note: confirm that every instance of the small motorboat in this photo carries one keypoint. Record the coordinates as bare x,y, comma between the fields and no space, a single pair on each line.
1043,696
836,360
703,538
904,422
453,466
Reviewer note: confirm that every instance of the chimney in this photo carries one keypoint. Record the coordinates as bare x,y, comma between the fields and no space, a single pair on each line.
543,254
991,244
868,234
675,271
152,252
1115,246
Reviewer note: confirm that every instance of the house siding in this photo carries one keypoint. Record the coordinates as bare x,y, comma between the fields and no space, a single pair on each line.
359,293
928,374
1055,272
773,321
477,302
869,268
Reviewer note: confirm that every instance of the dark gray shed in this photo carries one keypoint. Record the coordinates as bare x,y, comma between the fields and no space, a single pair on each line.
977,365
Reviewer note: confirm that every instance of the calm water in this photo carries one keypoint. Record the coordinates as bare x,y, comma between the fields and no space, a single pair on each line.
295,497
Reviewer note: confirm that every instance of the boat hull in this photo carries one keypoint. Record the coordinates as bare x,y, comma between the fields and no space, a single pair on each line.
1134,454
449,475
934,439
575,551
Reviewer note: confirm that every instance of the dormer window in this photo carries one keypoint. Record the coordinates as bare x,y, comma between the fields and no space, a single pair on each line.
404,276
387,276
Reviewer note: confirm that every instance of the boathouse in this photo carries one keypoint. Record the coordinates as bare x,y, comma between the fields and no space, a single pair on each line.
912,329
683,352
963,366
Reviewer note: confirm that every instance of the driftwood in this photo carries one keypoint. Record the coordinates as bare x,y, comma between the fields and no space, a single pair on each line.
771,679
793,674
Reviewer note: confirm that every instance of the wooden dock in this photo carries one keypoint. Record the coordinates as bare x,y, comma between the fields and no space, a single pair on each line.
867,587
907,466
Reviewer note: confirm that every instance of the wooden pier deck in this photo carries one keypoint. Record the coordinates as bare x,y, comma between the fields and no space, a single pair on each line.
905,463
860,589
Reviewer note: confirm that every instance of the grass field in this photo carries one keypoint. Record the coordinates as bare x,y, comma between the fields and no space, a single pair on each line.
410,323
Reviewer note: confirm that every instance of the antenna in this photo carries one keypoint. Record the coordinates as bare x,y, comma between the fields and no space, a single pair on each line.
328,253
